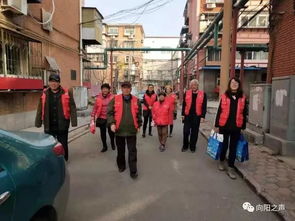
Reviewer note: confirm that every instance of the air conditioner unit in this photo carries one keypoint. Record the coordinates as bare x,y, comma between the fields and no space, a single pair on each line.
219,1
211,5
16,6
131,36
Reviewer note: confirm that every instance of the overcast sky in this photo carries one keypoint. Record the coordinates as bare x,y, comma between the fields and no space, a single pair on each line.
167,21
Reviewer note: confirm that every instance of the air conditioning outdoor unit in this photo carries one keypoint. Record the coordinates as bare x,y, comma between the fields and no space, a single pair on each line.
131,36
219,1
211,5
16,6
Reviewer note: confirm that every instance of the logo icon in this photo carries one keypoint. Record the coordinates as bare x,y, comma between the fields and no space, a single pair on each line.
247,206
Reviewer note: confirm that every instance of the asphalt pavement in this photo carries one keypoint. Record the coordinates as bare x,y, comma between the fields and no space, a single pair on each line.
172,185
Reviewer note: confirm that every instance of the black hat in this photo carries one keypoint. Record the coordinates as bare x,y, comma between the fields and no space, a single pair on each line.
105,85
126,84
54,77
162,93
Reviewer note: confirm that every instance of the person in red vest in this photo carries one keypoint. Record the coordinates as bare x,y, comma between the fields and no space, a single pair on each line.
124,117
230,120
99,115
172,99
55,110
194,110
161,116
149,99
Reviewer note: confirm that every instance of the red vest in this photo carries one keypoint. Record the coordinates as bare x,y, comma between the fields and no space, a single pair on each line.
119,110
171,99
225,111
65,101
161,113
150,100
199,102
101,105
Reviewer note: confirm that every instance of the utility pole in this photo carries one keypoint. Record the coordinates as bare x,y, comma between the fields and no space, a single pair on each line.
234,42
171,70
225,51
181,78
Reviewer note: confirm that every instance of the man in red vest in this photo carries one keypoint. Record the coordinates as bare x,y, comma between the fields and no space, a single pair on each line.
55,110
124,117
99,114
149,99
194,109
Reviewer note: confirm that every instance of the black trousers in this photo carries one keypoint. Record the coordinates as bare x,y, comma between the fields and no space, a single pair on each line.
62,137
103,135
171,129
147,119
230,139
132,152
190,132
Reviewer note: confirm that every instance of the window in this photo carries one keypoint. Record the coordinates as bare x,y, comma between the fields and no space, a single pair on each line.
213,55
73,75
128,44
113,31
113,43
115,59
260,21
129,31
16,51
255,55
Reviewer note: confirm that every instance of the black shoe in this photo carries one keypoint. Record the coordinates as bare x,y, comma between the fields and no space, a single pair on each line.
104,150
183,149
150,134
143,135
122,170
193,151
134,175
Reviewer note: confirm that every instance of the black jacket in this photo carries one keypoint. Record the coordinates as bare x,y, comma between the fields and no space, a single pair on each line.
231,122
62,123
193,107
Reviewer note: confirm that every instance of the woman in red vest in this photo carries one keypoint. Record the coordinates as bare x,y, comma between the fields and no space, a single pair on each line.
230,120
149,99
99,114
161,116
172,99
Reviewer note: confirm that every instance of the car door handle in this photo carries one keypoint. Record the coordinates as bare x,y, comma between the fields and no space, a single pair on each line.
4,197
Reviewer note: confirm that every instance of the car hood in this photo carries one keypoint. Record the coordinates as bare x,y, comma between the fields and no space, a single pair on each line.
38,140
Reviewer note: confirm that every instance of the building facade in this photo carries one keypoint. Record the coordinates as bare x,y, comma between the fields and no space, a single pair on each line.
37,38
160,67
252,35
127,65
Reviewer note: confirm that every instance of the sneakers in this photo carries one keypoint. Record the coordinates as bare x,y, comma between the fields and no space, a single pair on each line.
162,148
221,166
232,173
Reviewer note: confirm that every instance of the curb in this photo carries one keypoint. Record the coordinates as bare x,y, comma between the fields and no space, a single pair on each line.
257,187
84,129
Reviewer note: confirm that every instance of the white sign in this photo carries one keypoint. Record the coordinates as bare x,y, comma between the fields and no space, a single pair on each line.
280,97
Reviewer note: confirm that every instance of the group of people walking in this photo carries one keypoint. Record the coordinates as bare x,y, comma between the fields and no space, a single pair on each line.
121,116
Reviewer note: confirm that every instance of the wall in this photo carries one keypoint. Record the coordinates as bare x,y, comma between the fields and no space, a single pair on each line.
282,40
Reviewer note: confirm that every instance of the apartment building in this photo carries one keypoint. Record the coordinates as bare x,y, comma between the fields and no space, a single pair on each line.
252,40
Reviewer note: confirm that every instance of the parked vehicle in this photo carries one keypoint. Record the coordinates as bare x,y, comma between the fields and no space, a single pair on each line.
34,183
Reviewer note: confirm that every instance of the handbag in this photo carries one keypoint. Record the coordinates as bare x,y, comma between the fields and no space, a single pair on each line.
100,122
214,145
92,127
242,150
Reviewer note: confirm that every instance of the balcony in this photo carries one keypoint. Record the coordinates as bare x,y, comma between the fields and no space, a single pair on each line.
91,26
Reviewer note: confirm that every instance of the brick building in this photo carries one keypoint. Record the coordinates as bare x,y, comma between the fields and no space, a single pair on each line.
205,66
30,51
281,75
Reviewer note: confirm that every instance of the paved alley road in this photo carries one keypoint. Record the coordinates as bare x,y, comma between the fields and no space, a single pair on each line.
172,185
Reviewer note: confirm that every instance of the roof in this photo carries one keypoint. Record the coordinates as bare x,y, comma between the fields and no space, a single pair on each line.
237,68
94,8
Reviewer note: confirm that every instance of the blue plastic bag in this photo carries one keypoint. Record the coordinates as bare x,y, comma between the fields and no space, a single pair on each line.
214,146
242,150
